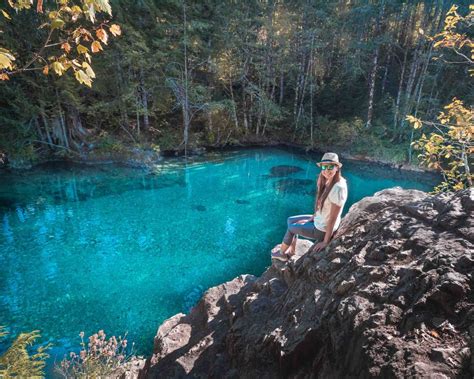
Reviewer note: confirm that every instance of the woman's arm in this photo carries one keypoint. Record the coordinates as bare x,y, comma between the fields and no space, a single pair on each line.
335,209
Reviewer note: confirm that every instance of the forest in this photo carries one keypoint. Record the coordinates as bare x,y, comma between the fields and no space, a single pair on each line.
184,74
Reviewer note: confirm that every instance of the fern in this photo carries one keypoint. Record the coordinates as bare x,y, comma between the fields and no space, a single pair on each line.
17,360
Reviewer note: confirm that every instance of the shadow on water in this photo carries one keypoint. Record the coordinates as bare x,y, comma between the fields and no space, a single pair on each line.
370,170
294,186
282,171
242,202
7,203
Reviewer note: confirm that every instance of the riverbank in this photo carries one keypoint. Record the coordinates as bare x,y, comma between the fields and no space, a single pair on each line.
147,155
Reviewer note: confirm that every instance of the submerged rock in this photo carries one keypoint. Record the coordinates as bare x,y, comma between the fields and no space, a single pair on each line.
294,186
240,201
392,296
283,170
199,207
7,203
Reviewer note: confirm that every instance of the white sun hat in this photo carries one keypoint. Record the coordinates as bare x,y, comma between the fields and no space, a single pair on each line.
330,158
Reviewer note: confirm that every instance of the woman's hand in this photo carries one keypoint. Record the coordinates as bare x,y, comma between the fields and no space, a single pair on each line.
320,246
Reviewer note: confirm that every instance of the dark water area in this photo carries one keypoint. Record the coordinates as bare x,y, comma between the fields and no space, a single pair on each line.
84,248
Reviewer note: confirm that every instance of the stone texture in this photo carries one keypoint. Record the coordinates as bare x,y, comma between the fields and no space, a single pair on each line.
391,296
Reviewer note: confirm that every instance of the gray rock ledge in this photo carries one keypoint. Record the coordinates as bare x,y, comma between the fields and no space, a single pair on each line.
392,297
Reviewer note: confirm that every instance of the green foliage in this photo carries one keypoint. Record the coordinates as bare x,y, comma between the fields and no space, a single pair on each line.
64,24
18,361
342,133
257,71
169,140
107,143
449,146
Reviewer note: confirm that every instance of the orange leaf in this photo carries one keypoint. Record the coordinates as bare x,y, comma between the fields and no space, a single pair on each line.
46,70
115,30
96,47
39,6
66,47
102,35
434,334
4,77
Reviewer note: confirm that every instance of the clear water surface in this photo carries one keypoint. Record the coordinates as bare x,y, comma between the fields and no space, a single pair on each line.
105,247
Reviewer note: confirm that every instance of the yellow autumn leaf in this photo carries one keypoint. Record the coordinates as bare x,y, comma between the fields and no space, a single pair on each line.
53,15
6,59
58,68
115,29
90,73
83,78
81,49
57,24
76,9
103,5
91,13
6,15
4,77
415,121
96,47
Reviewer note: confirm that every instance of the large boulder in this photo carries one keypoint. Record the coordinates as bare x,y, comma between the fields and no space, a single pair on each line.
391,296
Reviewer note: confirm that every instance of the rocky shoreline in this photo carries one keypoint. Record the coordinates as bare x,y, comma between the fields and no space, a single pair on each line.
145,158
391,296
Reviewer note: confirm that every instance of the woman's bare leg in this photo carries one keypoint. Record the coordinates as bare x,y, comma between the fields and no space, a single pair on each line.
292,249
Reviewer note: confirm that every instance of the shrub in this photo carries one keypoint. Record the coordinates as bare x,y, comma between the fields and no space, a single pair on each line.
101,357
18,361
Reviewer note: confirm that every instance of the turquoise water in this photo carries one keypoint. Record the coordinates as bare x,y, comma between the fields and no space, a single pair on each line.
121,249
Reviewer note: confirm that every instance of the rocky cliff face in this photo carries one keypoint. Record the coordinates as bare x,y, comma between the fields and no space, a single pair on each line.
392,296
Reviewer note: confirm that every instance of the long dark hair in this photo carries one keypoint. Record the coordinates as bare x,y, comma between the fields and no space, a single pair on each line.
323,189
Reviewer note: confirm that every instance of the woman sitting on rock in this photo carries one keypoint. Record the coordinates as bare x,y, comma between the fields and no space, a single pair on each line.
331,196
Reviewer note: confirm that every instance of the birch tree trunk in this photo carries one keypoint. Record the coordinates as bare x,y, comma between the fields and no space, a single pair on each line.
185,102
399,94
234,107
373,74
385,74
282,85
